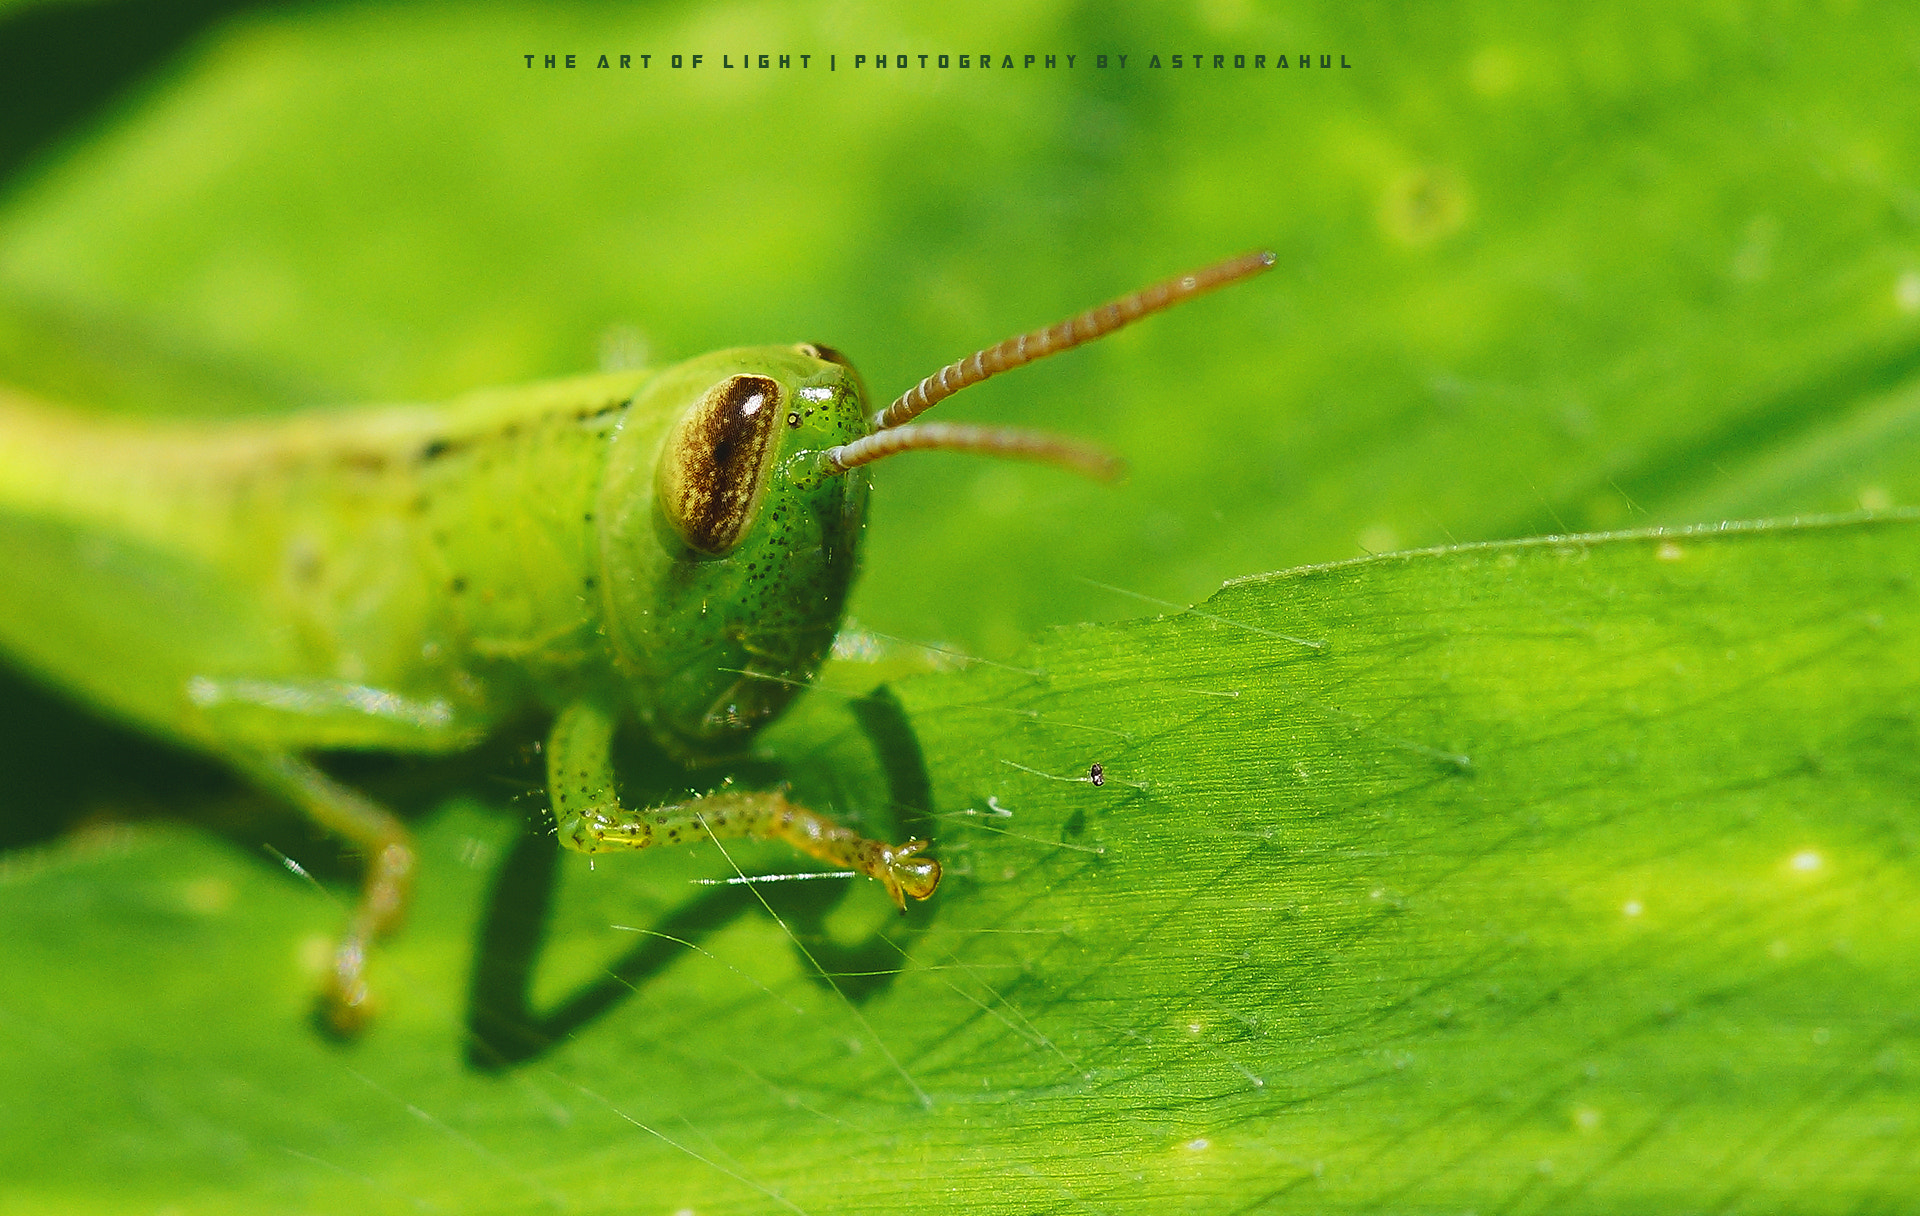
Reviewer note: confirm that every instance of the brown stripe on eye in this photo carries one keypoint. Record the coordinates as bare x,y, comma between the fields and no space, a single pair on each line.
715,463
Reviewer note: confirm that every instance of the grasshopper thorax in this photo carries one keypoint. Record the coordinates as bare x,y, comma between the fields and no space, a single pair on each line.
726,552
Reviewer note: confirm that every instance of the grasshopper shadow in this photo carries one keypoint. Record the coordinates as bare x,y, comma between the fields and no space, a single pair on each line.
503,1028
65,767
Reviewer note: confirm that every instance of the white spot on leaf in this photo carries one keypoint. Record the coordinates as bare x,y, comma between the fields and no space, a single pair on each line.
1906,292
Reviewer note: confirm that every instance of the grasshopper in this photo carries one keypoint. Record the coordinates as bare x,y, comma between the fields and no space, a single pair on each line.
675,544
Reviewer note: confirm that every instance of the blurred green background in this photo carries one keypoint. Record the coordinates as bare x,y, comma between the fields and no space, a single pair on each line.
1542,269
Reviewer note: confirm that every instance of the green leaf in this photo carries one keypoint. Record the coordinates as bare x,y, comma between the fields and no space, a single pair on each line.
1558,875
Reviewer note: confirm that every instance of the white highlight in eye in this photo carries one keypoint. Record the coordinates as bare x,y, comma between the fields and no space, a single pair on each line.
753,405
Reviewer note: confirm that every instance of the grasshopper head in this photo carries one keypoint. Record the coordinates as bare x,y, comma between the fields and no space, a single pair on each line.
736,494
728,550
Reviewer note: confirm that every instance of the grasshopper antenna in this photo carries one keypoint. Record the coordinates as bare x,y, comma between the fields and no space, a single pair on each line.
891,435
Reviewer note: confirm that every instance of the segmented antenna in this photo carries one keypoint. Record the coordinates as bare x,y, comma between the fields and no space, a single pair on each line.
888,438
989,440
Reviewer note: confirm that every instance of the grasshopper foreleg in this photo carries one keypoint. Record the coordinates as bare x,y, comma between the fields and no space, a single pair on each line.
590,818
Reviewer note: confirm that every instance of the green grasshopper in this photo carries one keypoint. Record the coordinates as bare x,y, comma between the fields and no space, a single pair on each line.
676,544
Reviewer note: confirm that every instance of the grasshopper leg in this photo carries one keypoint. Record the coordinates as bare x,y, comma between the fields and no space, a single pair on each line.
590,818
345,1005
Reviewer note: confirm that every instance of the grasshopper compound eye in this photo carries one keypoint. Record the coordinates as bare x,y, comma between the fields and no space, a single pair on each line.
891,435
714,467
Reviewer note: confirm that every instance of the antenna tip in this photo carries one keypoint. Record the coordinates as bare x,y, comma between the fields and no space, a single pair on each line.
1266,257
